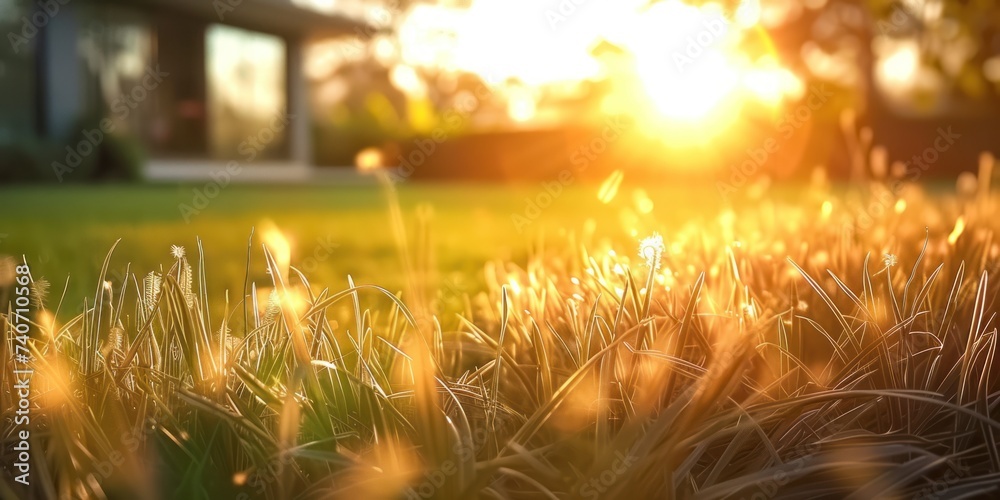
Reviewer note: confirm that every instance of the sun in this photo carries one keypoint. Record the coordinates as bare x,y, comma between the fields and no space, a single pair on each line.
682,70
692,73
682,59
693,95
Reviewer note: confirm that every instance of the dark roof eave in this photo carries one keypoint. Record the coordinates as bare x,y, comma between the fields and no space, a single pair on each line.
275,16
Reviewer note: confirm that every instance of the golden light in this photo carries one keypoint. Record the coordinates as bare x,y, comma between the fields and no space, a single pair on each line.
57,383
900,66
521,105
405,77
771,83
47,322
681,59
684,70
692,73
693,95
295,302
609,188
369,160
643,204
240,478
278,245
827,209
957,232
515,287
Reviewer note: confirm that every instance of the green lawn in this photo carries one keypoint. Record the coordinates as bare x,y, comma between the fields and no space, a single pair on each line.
67,230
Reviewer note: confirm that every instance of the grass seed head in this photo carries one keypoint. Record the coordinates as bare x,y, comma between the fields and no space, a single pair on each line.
39,291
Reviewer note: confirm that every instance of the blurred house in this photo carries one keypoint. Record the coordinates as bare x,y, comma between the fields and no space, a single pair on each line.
180,88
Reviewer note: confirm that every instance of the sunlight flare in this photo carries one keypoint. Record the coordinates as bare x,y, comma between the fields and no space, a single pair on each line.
278,245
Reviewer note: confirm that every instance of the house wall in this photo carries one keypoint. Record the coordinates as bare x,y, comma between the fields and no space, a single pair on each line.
18,76
60,69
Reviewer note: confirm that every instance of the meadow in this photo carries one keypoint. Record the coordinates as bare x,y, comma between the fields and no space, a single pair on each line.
813,342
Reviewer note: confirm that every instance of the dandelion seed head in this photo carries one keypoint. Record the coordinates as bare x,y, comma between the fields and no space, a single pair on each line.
651,250
177,251
890,260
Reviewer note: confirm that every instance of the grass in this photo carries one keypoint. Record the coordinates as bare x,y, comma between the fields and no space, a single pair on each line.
60,230
768,349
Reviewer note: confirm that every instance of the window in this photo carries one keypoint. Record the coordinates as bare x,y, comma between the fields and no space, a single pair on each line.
17,74
246,94
116,47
